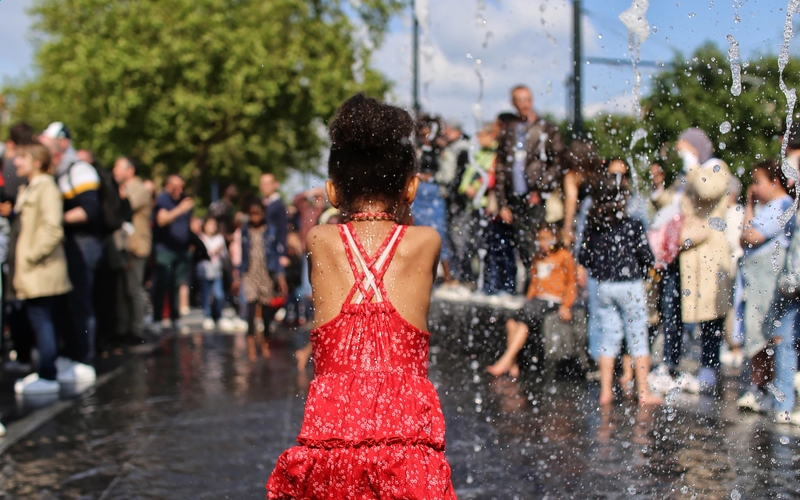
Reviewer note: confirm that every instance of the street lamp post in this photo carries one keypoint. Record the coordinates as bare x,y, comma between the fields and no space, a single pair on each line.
415,55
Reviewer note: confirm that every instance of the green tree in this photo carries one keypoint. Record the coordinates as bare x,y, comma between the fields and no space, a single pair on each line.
695,92
209,88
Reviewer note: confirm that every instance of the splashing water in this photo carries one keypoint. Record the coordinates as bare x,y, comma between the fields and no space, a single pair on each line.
638,31
717,224
736,67
725,127
779,395
791,99
637,136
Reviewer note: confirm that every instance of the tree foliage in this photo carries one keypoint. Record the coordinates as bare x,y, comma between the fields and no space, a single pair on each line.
209,88
695,92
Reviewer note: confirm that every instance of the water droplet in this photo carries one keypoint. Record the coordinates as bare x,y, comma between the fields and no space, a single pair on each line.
722,145
735,495
725,127
784,439
717,223
686,292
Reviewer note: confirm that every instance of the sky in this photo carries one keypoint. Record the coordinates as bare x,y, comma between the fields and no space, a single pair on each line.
521,42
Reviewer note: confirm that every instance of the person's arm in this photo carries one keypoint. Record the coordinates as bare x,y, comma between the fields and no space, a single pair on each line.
49,233
571,290
571,185
166,217
274,263
137,196
751,237
531,293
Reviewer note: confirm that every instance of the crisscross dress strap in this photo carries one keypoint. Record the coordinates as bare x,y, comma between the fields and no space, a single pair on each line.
368,271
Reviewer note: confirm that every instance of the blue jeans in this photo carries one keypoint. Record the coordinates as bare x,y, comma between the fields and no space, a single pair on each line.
40,314
620,309
212,296
500,274
83,254
671,314
785,351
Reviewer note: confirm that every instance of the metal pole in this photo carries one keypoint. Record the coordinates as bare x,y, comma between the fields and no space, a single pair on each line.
576,70
415,48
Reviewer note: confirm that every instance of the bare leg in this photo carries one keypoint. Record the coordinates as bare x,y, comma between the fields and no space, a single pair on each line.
251,348
626,380
302,356
642,368
606,365
517,334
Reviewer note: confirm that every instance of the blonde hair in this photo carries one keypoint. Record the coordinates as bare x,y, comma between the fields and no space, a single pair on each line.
38,152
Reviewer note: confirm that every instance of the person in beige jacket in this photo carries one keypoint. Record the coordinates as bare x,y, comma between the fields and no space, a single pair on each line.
41,266
705,259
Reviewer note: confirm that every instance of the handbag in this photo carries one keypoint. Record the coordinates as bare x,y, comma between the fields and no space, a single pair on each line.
665,241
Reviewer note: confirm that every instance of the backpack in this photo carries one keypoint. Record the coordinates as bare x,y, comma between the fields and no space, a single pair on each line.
111,203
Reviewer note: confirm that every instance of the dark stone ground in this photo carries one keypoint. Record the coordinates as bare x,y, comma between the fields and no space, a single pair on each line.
195,419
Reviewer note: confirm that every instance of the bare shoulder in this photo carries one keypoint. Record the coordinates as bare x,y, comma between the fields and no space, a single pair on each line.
424,238
321,236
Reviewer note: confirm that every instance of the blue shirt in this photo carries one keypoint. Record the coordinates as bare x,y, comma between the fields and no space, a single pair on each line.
173,237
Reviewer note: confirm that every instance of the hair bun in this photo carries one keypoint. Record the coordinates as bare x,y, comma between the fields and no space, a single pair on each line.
365,123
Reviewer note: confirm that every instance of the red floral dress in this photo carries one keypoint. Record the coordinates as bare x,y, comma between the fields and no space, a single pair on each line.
373,425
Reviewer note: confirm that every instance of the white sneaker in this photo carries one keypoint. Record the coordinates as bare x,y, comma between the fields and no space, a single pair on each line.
32,384
2,430
225,324
783,417
209,325
240,325
185,311
660,380
76,373
749,401
797,382
280,314
688,383
63,364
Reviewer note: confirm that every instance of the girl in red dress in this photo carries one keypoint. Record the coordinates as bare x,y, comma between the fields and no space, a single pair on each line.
373,426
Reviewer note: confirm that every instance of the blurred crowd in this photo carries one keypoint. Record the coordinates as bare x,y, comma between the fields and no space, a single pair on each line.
590,257
96,260
627,265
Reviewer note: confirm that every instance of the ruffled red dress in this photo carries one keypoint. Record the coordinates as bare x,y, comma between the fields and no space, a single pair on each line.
373,426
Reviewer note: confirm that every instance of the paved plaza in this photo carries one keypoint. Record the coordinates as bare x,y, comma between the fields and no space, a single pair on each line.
196,419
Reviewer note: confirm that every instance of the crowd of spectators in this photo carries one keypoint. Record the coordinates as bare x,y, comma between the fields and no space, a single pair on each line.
97,259
545,225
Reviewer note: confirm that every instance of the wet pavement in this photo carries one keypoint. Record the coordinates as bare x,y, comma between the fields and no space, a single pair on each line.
195,419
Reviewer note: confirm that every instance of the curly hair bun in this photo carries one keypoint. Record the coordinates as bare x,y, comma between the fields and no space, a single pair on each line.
363,122
372,155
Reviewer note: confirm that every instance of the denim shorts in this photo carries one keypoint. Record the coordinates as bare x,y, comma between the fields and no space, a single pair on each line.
620,309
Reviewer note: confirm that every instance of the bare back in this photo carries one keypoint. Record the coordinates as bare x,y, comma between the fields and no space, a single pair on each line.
408,278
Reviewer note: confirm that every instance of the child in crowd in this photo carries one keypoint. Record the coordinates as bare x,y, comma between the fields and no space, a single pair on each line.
552,288
617,256
765,238
261,274
373,425
296,306
209,273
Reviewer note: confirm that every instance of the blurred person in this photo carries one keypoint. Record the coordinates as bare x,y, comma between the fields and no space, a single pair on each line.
41,265
617,256
131,294
461,219
553,287
276,215
734,222
224,211
85,155
429,208
79,183
296,307
527,170
261,274
171,233
581,162
765,238
209,273
19,135
704,259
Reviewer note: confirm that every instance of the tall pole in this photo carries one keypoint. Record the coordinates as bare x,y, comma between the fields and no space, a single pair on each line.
415,49
577,100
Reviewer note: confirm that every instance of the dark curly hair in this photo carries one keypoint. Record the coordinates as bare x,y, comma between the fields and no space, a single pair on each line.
372,155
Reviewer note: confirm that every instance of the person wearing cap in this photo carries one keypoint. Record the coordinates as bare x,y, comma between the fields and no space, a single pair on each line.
79,184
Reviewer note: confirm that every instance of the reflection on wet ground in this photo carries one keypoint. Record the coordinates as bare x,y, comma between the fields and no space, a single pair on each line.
197,420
